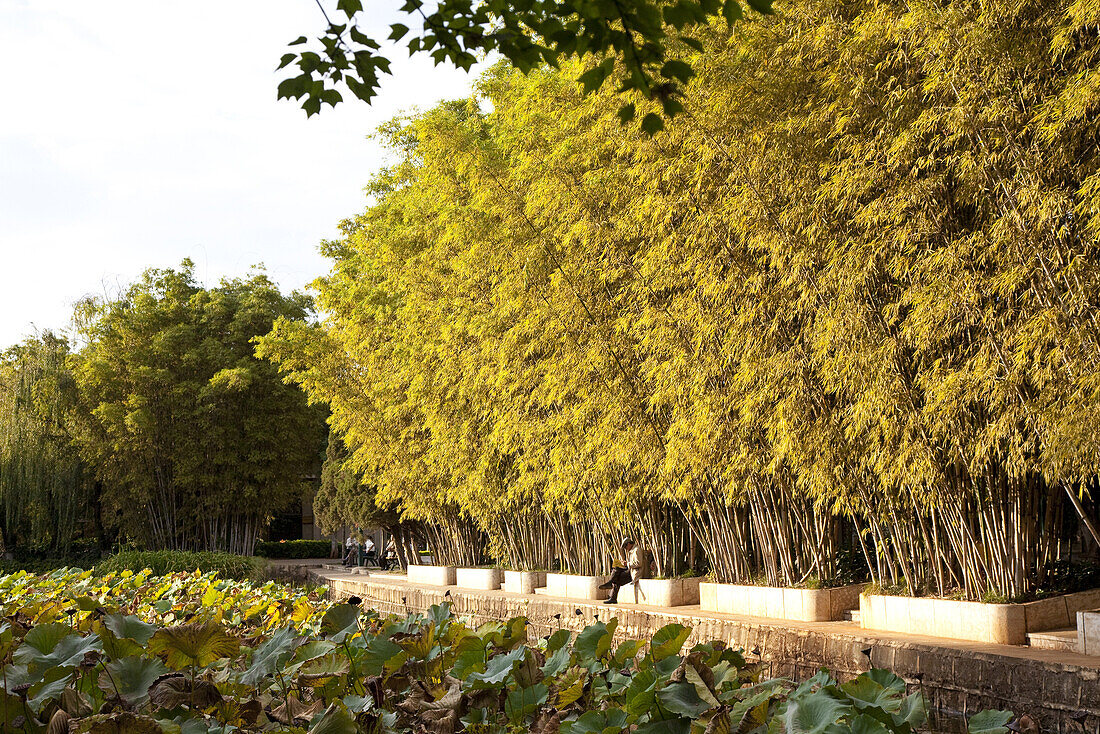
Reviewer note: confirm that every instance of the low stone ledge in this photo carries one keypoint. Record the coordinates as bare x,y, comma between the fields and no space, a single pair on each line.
478,578
957,680
662,592
1088,632
433,575
524,582
572,586
1059,612
1001,624
802,605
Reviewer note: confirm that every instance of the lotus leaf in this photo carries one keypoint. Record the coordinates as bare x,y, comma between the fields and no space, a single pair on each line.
120,722
336,720
340,621
271,655
50,688
571,687
521,702
188,645
129,627
682,698
130,678
816,713
51,645
497,670
177,690
667,641
557,662
326,666
594,642
989,722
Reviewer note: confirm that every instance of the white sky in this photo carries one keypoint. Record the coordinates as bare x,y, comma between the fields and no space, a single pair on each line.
134,134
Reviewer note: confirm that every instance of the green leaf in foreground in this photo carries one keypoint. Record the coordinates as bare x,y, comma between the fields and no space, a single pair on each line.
130,678
52,645
989,722
497,670
340,621
682,698
129,627
815,713
271,655
668,641
595,640
336,720
50,688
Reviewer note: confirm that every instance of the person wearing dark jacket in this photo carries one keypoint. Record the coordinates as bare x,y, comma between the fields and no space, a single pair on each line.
622,575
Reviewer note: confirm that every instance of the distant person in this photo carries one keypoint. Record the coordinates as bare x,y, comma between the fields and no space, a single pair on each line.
351,549
389,555
622,575
370,557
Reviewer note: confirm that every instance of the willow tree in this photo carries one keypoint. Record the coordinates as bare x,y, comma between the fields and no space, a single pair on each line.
195,440
46,490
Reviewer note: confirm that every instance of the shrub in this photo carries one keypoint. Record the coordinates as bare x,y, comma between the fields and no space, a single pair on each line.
225,565
294,549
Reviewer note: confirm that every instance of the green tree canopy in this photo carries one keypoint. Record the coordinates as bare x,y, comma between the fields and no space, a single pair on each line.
644,44
196,441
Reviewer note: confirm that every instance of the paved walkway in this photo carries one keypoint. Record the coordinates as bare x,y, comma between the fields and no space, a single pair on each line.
842,628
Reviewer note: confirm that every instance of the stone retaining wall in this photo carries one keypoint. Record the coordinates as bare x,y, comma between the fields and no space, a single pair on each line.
1061,698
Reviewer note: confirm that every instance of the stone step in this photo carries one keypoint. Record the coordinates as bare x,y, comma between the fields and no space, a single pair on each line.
1065,639
852,615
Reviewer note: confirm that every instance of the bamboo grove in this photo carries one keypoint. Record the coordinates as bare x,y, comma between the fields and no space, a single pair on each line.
162,430
845,304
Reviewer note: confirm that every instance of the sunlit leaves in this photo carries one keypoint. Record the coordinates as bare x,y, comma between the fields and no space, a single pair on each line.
382,674
171,390
190,645
629,41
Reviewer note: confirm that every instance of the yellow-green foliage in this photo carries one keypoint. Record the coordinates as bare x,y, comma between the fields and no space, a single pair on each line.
852,287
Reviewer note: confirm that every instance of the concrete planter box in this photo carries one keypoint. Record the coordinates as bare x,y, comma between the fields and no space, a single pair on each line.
1088,633
803,605
575,587
662,592
524,582
432,575
478,578
1060,612
1002,624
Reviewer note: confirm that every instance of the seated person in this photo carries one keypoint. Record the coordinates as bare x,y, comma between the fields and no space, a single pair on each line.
389,556
622,575
370,557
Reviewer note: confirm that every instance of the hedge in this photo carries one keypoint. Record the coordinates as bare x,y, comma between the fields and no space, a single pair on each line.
227,565
294,549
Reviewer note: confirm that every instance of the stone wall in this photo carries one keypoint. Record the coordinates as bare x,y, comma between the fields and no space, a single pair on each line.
957,681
